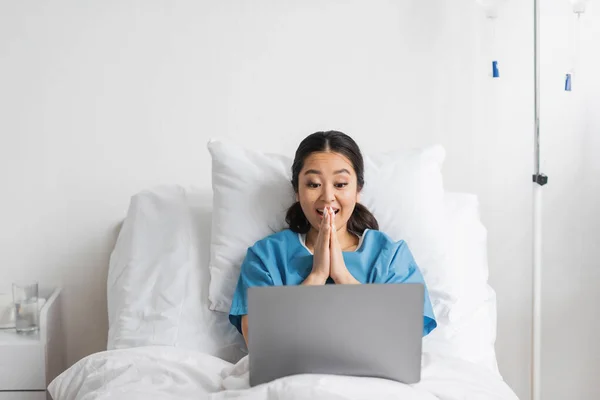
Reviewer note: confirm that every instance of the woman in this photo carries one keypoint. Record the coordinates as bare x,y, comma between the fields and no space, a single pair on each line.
332,238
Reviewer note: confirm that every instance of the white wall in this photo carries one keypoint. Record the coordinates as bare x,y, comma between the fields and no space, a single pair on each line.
102,99
571,143
487,127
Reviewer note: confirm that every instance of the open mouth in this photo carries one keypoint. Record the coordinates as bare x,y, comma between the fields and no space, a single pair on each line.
320,211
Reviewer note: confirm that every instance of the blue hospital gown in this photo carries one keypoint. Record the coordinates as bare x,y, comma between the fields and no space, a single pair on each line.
283,259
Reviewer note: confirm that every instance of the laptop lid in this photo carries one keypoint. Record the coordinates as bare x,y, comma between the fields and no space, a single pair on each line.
361,330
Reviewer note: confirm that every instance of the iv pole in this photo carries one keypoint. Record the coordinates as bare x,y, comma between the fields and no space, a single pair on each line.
539,180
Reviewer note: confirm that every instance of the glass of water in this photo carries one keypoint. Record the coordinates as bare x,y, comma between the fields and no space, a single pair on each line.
25,297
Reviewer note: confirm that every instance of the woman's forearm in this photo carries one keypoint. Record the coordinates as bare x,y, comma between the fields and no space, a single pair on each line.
345,279
314,279
245,328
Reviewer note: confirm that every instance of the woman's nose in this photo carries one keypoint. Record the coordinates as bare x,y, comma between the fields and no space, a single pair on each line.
328,195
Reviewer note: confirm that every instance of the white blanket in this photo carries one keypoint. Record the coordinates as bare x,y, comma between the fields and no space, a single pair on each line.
151,373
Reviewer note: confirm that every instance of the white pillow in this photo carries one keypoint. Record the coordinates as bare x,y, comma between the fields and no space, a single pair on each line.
252,192
158,277
468,330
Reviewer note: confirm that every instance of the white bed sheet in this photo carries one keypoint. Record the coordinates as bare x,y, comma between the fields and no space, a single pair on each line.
163,372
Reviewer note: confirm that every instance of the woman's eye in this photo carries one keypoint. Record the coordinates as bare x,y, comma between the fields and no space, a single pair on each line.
312,185
340,185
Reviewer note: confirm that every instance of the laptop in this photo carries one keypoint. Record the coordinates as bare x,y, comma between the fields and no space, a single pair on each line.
372,330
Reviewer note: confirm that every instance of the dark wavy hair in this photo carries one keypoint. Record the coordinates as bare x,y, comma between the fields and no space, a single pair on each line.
335,142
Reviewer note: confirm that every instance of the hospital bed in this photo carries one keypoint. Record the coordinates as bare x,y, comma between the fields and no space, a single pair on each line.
165,343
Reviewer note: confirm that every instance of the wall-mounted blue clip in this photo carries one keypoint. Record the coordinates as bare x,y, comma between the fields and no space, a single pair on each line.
495,70
568,83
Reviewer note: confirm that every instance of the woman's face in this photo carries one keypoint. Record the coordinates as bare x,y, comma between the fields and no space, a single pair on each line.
327,179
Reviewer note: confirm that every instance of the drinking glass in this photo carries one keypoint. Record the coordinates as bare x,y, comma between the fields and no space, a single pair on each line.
25,297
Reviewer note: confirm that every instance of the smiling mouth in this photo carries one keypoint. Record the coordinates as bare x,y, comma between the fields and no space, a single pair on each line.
320,212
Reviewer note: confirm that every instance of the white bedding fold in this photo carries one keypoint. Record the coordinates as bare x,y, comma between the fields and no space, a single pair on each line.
173,373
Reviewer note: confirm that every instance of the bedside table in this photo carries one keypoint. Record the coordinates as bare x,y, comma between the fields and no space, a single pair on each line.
28,363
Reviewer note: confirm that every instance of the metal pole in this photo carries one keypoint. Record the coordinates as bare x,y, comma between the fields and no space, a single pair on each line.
536,61
539,180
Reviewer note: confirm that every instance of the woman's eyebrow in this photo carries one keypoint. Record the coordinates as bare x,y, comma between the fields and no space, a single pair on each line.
341,171
317,172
